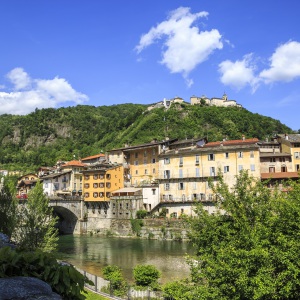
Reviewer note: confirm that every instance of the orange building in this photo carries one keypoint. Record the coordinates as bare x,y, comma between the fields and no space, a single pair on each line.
101,180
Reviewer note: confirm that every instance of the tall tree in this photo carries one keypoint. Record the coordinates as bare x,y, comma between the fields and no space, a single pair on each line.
249,249
8,208
37,224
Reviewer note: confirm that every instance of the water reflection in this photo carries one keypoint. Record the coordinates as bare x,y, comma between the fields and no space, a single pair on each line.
92,253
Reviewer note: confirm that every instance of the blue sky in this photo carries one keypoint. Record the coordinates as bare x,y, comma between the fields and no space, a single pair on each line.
95,52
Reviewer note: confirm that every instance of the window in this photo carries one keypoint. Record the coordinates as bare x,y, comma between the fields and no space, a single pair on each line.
101,176
108,176
180,185
46,185
272,170
95,176
194,185
153,191
146,171
183,197
136,172
283,169
167,160
226,155
114,205
297,167
80,178
240,154
95,185
101,185
167,186
101,195
197,159
282,159
197,172
226,169
86,195
167,174
252,167
180,161
145,161
86,177
240,167
296,154
153,151
296,145
212,171
136,155
153,160
170,198
252,154
108,185
180,173
272,159
108,194
95,195
136,162
211,156
153,171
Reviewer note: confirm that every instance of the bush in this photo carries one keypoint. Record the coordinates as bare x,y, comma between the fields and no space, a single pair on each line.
163,212
115,277
136,226
141,214
146,275
64,279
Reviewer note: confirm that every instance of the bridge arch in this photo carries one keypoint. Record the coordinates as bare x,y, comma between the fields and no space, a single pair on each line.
70,214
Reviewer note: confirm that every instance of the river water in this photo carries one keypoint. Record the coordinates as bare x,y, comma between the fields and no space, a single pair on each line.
92,253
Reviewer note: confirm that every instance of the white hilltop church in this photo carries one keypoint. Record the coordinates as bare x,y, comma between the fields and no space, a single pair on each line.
194,100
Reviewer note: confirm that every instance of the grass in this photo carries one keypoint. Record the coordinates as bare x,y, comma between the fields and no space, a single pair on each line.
92,296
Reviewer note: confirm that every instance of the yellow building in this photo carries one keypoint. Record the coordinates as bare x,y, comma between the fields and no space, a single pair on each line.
140,161
185,172
76,180
290,143
101,180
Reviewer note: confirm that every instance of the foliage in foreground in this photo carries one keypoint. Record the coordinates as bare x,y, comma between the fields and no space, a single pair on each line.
64,279
37,224
251,251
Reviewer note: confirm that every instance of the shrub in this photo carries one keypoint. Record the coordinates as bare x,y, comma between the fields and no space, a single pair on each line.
136,226
141,214
115,277
146,275
64,279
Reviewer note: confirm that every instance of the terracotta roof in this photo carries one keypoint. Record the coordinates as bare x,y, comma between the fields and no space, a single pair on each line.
75,163
94,156
232,142
279,175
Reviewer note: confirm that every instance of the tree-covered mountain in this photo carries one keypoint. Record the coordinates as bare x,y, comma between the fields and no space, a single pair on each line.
47,135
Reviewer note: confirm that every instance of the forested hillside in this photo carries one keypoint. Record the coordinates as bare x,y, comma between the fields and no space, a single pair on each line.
47,135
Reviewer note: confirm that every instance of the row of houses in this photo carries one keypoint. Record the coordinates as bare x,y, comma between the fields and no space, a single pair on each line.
169,174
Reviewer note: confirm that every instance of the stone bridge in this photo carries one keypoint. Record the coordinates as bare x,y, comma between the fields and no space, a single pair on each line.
71,213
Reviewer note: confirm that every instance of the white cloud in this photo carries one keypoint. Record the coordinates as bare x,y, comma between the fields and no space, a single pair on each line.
284,64
19,78
185,46
31,93
238,74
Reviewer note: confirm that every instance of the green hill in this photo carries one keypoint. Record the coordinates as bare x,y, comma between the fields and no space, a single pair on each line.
47,135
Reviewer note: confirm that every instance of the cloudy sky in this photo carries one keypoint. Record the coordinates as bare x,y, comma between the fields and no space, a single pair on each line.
68,52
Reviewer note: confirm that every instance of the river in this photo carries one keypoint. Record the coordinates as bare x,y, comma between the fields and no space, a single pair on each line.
92,253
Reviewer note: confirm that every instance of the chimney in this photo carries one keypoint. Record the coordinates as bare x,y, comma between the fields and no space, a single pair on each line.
286,136
243,137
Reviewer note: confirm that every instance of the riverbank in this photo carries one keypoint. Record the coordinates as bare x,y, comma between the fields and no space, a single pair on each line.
156,229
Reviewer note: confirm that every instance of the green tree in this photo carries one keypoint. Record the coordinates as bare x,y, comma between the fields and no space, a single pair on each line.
37,224
116,279
249,249
146,275
8,208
